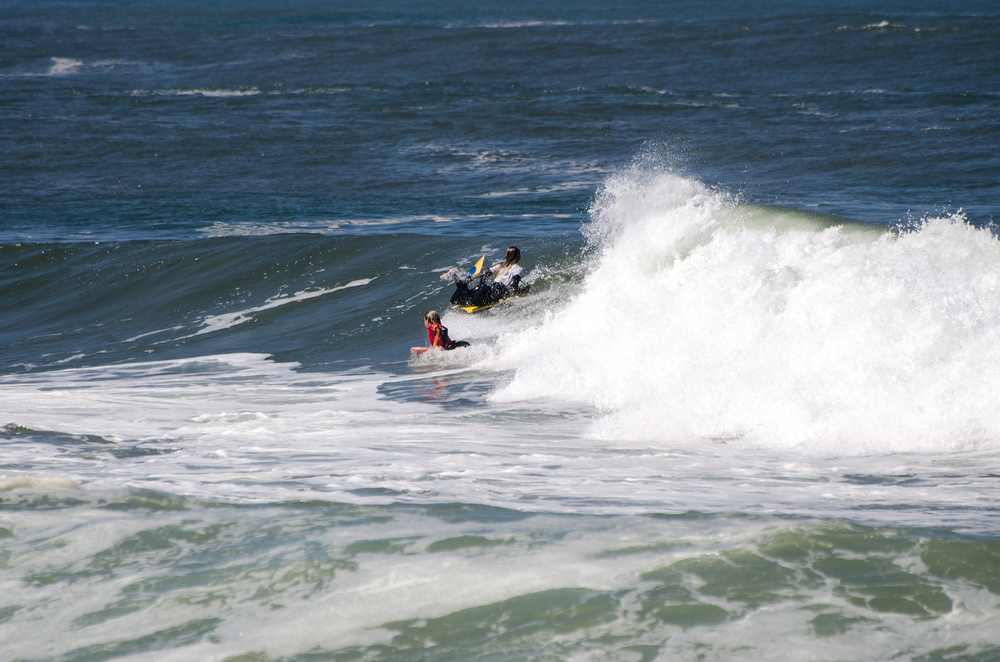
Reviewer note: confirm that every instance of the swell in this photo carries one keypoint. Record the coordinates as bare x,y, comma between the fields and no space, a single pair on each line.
305,297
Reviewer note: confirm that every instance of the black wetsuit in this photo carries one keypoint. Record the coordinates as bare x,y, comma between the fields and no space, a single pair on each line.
483,295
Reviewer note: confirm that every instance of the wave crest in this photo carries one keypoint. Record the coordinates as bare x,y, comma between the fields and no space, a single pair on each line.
702,319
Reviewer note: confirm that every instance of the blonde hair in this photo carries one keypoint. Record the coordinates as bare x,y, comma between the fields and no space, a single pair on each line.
433,317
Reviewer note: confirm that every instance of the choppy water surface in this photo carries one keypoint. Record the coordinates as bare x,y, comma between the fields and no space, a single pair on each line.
749,411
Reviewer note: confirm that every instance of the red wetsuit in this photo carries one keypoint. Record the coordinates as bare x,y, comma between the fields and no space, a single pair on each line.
437,336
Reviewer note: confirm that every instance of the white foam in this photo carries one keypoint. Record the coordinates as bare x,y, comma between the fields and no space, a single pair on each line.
152,333
321,226
37,482
70,358
506,25
216,93
516,24
62,66
240,427
882,25
212,323
694,326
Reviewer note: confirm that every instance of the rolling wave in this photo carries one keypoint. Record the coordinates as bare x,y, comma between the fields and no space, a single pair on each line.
703,319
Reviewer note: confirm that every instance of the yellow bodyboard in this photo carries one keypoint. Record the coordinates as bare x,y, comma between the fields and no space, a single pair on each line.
476,309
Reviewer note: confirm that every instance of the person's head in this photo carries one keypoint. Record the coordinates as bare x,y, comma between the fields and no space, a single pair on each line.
432,317
513,256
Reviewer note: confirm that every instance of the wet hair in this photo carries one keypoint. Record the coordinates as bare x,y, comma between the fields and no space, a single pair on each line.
433,317
512,257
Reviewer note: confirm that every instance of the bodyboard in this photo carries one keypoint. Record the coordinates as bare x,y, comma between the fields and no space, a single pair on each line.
476,309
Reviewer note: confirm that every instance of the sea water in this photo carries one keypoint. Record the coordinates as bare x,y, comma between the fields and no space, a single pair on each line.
750,409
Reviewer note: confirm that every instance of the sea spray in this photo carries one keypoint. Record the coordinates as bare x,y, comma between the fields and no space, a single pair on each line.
265,475
692,326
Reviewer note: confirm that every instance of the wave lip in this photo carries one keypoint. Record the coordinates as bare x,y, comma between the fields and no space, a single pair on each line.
703,319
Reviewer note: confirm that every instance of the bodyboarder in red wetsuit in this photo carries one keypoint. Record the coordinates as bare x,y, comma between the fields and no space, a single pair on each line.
437,333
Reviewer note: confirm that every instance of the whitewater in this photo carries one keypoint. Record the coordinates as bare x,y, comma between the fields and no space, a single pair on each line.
750,409
688,322
799,408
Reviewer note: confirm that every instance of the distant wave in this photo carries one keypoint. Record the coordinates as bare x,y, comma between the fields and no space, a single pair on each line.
515,24
883,25
338,226
61,66
203,92
221,93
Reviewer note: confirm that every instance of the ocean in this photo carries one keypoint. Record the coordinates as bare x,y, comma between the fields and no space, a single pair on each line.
750,409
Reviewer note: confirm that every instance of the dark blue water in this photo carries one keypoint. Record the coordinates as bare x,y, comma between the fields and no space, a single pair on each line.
134,119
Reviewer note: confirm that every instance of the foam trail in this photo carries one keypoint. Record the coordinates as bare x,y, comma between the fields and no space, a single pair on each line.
213,323
691,326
